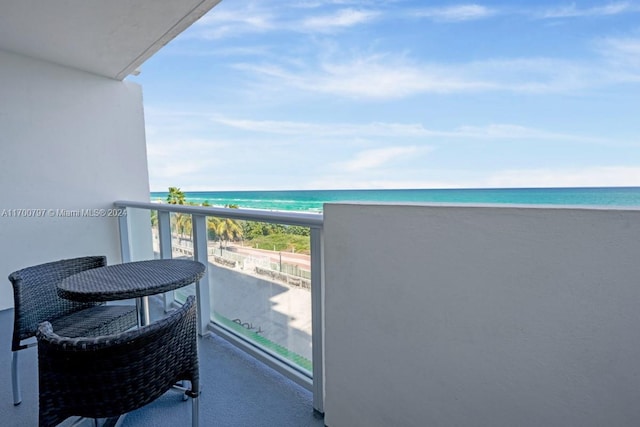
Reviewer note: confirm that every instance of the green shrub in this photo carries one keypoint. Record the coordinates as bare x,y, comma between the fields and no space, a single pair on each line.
281,242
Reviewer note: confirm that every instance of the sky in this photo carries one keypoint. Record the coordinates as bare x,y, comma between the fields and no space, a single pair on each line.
342,94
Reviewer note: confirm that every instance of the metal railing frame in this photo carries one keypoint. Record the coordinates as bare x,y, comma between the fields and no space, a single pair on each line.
315,383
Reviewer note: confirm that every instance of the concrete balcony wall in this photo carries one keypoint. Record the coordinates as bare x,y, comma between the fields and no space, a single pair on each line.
481,316
68,140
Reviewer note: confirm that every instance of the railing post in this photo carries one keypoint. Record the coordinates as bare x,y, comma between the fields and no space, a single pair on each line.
199,223
317,317
164,235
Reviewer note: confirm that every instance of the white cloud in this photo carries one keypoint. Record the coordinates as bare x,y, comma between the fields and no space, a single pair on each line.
394,76
253,51
629,47
516,132
174,160
378,129
623,54
380,76
572,11
378,157
312,4
250,17
459,13
229,22
400,130
340,19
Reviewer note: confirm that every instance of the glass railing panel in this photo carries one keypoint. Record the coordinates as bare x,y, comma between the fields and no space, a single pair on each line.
260,282
139,245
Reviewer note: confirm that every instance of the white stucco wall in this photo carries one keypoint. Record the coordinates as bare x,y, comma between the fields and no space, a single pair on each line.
481,316
68,140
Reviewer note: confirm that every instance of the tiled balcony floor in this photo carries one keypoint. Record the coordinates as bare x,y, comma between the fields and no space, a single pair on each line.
237,391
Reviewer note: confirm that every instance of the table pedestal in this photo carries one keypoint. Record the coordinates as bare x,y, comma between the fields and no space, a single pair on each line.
142,304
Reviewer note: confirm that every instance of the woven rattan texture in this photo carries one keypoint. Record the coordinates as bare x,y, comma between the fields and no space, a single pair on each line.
36,300
131,280
111,375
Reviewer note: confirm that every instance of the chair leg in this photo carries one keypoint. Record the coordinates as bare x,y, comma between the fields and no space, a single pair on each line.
15,380
195,413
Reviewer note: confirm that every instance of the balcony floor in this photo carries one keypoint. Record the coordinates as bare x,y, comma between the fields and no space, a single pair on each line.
237,390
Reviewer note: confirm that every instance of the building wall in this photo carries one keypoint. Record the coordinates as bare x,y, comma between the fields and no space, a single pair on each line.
68,140
481,316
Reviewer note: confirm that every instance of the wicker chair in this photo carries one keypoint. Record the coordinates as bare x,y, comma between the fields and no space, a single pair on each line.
107,376
36,300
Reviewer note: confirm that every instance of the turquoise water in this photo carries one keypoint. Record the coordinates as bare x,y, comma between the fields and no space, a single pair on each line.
312,200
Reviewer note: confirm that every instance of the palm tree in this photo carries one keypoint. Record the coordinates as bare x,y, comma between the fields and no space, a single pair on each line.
212,227
228,229
175,196
184,224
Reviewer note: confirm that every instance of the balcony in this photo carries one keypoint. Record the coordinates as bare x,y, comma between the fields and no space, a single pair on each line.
455,315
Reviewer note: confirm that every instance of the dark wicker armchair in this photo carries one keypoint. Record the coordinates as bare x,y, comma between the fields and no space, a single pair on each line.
36,300
108,376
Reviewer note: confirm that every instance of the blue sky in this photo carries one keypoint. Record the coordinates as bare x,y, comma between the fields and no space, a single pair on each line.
332,94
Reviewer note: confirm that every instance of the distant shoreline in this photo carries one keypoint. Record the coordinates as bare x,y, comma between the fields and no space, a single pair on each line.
313,200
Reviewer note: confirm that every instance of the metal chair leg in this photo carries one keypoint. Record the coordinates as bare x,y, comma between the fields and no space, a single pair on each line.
15,380
195,413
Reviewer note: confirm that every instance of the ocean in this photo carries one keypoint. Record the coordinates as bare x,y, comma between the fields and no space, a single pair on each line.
312,200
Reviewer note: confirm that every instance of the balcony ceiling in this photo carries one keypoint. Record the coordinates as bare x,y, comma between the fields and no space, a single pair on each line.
106,37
